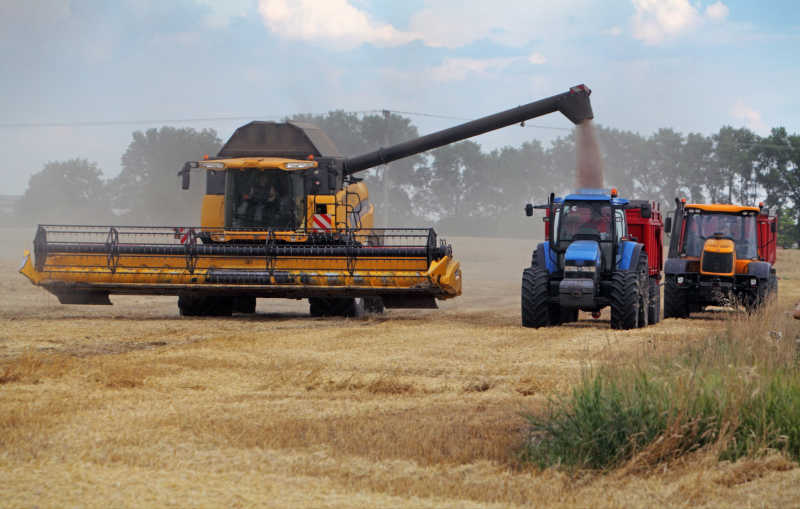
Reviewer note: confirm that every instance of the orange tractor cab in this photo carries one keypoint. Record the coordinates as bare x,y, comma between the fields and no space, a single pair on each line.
719,255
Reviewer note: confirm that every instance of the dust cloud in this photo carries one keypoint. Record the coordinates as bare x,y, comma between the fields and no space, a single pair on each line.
589,172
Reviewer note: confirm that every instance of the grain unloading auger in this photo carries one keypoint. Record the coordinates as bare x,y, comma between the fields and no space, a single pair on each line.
283,216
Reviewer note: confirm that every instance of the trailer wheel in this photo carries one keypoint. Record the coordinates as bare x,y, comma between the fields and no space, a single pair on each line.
644,290
676,300
654,311
625,300
333,306
535,308
192,305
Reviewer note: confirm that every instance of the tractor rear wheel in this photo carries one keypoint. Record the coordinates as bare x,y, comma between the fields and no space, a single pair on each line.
535,308
625,300
676,300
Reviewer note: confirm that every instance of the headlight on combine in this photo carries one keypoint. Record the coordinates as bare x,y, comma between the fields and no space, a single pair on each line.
753,281
679,279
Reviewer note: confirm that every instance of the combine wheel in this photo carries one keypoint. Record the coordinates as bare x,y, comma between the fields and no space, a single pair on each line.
245,305
372,305
625,300
536,312
332,306
654,310
676,301
192,305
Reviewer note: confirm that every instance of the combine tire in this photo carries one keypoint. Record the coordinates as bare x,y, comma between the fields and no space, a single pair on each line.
331,306
191,305
676,300
654,309
536,311
373,305
625,300
246,305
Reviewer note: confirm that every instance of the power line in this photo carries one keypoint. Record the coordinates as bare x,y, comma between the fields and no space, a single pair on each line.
106,123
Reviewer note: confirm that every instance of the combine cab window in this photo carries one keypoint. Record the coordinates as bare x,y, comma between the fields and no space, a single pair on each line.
585,218
740,228
265,199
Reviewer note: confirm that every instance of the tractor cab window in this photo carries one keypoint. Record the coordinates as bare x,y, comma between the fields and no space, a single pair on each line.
741,228
265,199
585,220
620,225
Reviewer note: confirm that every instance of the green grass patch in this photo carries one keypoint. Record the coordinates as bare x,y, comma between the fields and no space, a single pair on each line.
738,390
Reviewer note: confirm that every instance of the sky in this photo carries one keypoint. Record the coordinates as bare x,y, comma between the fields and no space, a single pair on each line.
79,76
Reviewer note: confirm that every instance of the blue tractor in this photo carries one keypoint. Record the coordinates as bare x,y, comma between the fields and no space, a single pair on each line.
599,250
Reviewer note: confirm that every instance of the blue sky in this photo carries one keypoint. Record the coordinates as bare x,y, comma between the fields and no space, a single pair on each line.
690,65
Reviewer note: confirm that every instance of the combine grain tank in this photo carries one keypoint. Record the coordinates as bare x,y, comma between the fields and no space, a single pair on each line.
283,216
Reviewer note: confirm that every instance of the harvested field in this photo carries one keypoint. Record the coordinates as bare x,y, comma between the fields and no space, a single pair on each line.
132,405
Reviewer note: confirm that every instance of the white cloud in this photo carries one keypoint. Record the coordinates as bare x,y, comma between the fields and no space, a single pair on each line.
750,116
537,59
717,11
614,31
457,69
336,22
455,23
657,20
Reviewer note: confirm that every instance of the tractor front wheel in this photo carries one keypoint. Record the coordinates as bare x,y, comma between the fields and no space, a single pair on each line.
535,308
676,300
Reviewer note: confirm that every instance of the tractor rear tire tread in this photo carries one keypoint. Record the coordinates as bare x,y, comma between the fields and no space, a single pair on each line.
625,299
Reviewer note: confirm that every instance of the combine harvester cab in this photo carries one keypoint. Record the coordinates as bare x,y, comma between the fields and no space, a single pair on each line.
599,250
283,216
719,255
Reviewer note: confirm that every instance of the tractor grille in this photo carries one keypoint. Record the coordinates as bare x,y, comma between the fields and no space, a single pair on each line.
718,263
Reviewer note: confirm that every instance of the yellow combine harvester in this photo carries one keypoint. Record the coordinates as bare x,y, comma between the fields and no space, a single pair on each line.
283,216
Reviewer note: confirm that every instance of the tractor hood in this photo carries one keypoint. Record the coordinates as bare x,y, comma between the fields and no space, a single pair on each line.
582,251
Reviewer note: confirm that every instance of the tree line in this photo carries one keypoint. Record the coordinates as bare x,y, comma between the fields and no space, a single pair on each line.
460,189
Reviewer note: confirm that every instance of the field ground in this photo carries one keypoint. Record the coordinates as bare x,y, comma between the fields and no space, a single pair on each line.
132,405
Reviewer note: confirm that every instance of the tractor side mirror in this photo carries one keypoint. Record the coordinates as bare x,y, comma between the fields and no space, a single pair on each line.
185,177
773,226
647,211
529,210
668,225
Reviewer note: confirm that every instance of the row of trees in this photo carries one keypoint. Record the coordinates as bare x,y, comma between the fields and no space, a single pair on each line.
461,189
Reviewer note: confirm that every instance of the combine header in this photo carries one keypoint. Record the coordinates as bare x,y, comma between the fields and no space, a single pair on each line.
283,216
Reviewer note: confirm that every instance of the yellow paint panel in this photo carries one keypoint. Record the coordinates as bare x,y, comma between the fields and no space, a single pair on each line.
729,209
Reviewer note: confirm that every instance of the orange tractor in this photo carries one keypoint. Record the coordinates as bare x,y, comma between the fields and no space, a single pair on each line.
719,255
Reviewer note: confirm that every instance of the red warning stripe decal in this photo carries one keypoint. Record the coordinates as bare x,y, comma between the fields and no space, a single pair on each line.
322,222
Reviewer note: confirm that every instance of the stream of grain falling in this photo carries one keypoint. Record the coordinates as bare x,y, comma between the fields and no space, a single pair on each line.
589,172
